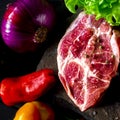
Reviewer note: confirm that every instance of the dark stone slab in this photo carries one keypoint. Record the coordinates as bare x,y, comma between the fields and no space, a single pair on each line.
107,109
13,64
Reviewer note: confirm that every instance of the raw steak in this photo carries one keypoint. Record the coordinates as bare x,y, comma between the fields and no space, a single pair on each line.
87,59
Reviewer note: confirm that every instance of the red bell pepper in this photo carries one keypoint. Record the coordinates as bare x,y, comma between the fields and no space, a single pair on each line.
27,87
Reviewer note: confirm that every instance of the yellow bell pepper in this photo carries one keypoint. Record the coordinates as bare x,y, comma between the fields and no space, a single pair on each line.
35,110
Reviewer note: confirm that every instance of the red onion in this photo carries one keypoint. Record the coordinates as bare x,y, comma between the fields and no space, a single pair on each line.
26,23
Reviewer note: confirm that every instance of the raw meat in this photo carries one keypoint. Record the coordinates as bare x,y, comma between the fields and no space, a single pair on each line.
87,59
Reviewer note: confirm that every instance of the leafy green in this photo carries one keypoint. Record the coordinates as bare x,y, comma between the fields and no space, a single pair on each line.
107,9
72,5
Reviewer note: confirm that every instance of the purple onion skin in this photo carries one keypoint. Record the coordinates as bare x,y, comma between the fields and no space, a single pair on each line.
21,20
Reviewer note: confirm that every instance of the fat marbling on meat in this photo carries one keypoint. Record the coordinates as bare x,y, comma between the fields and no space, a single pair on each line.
87,59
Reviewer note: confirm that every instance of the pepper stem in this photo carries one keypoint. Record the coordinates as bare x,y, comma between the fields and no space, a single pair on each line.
40,34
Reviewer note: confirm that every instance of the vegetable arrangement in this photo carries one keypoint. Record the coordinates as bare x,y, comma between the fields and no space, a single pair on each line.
26,24
107,9
26,88
35,110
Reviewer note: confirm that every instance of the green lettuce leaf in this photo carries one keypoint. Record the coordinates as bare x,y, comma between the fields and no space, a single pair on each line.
107,9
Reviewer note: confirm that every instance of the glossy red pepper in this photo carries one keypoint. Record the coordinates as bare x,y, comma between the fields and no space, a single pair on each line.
27,87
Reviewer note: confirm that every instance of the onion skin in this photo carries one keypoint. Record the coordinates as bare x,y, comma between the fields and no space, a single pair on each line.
21,21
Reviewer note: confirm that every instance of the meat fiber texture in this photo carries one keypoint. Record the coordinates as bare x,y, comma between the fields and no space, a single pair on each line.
87,59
